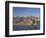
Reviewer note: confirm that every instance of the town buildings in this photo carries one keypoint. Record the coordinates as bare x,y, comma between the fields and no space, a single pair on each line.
26,20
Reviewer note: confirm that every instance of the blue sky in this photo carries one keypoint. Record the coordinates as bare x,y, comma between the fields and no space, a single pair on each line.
24,11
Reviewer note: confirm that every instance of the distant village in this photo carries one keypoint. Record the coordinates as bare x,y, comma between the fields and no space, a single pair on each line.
26,20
